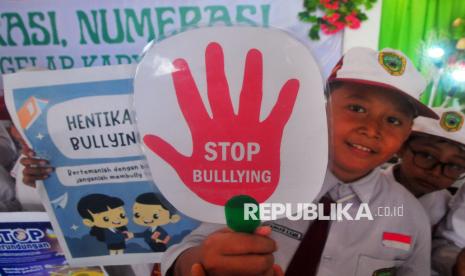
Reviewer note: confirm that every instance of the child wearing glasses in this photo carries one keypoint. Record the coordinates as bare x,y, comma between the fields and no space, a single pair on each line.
448,256
432,159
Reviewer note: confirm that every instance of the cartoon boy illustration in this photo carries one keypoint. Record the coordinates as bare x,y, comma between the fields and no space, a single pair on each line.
107,220
149,211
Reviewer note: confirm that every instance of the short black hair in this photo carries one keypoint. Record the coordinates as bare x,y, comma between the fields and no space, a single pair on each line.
331,86
150,199
97,203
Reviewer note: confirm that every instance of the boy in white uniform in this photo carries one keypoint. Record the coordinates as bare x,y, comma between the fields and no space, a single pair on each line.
432,159
448,256
370,113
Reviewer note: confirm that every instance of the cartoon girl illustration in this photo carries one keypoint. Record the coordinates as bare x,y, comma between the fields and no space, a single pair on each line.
106,217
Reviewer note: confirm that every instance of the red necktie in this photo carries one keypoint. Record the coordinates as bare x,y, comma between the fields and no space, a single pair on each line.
307,257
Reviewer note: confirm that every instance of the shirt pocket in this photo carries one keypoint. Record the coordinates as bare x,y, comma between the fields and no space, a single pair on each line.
369,266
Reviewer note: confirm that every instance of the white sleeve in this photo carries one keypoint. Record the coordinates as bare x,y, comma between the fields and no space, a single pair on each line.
453,227
436,205
193,239
7,148
419,262
443,257
8,201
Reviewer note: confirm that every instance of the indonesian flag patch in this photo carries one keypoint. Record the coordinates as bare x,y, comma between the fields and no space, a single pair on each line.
396,240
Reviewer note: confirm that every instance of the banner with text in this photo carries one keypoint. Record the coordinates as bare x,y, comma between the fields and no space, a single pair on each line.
68,34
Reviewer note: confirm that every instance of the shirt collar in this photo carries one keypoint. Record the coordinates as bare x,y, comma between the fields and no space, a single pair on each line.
329,183
363,188
153,228
389,173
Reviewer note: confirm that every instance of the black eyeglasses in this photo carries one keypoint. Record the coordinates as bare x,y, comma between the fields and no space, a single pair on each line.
427,161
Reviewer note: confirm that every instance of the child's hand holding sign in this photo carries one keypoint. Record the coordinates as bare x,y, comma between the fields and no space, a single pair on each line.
231,253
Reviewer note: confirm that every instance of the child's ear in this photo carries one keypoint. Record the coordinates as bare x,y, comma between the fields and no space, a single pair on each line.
88,222
175,218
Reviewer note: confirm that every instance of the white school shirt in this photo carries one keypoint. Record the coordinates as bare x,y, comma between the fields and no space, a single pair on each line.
434,203
453,226
7,148
353,248
449,237
8,201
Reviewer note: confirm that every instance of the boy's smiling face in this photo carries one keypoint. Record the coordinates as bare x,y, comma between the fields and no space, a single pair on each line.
367,126
427,147
150,215
113,218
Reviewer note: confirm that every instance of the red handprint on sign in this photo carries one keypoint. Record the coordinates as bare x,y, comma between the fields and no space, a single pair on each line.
232,153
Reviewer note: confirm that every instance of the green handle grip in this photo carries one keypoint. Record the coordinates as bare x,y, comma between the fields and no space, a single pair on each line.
241,217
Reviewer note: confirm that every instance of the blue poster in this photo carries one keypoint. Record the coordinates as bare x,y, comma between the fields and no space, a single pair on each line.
103,204
29,246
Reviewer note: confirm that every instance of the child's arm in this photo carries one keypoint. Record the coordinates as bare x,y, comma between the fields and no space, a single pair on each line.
230,253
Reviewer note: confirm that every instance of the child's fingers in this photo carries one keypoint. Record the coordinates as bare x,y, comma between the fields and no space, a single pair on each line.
35,171
28,152
29,181
255,264
197,270
32,173
246,244
263,230
278,271
34,162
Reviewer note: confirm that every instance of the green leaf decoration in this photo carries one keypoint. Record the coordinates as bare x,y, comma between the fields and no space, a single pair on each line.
329,8
313,19
362,16
314,33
